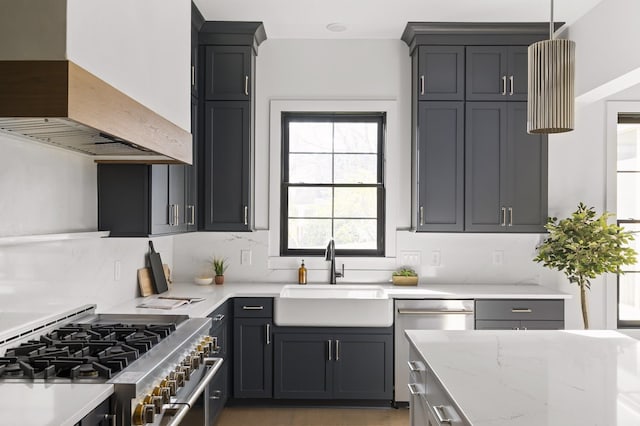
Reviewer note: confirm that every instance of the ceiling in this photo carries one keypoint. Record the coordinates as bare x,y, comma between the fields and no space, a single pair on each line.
381,19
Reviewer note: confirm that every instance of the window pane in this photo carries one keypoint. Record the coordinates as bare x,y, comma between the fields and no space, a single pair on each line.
356,202
355,234
628,147
310,168
309,233
635,244
310,137
356,168
310,202
629,294
356,137
628,196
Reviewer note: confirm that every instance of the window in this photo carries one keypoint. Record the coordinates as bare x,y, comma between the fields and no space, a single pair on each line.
628,214
332,183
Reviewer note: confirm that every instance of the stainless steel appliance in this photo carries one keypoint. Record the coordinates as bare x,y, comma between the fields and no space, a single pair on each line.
160,365
419,314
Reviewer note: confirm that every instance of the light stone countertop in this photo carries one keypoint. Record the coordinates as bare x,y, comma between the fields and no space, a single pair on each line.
537,378
216,295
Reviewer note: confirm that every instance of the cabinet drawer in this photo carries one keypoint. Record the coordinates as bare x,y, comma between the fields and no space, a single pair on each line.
253,307
497,325
439,404
519,309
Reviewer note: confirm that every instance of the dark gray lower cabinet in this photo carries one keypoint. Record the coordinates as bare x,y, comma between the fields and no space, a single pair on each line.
325,363
253,358
519,314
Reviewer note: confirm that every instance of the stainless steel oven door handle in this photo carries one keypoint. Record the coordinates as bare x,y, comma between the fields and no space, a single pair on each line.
433,312
214,365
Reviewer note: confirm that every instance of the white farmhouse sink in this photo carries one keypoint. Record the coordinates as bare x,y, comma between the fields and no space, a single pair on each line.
337,305
337,291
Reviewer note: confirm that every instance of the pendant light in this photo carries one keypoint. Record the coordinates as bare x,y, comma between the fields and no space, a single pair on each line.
551,100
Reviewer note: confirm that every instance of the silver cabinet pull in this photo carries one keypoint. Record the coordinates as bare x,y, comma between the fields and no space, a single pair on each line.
246,85
422,84
252,308
421,215
218,317
521,310
177,207
413,389
217,394
268,328
510,216
503,214
330,349
193,75
111,418
438,410
246,215
337,350
192,209
434,312
415,366
510,85
171,213
504,85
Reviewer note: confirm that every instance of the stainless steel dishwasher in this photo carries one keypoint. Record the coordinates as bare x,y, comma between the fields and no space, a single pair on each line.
419,314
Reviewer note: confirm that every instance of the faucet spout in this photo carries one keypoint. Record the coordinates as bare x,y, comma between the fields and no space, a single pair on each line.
330,255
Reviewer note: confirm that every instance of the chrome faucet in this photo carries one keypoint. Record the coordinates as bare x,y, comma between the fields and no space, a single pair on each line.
330,255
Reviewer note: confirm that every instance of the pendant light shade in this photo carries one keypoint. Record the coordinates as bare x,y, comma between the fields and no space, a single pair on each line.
551,97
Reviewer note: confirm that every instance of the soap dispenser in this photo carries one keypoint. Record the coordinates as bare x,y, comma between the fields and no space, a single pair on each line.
302,274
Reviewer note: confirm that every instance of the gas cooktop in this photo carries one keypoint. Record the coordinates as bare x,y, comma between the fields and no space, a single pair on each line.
93,350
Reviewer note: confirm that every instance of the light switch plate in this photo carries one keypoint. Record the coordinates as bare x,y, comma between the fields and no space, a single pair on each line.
245,257
410,259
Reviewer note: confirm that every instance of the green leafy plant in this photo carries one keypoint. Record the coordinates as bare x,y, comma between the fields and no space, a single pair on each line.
584,246
405,272
219,265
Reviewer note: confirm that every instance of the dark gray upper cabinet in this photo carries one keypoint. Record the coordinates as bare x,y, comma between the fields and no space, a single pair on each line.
228,74
191,173
137,200
196,23
440,73
440,153
506,172
227,156
496,73
333,363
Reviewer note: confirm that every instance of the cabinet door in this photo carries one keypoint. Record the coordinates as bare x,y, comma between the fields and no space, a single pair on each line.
363,367
486,78
517,73
440,73
526,174
440,166
228,73
303,365
191,174
253,358
162,213
226,166
486,130
177,196
194,61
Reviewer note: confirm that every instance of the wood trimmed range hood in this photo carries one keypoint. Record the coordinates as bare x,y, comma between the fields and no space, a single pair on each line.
62,104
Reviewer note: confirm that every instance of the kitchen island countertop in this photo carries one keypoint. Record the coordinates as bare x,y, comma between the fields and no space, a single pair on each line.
534,378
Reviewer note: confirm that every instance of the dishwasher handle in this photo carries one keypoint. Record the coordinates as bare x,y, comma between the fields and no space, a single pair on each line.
402,311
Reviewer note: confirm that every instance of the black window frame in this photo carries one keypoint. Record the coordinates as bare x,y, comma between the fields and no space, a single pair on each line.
286,118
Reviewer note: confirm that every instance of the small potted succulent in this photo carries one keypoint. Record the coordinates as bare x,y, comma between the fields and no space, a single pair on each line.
404,276
219,265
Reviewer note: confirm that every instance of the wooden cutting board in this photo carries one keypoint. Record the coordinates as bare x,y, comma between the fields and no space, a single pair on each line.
146,284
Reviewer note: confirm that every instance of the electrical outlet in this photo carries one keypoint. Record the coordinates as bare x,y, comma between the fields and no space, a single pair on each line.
117,270
498,257
435,258
410,259
245,257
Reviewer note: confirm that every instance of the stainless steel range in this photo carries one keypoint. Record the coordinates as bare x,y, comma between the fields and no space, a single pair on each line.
160,365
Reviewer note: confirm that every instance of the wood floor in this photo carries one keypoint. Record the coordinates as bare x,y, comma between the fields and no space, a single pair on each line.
249,416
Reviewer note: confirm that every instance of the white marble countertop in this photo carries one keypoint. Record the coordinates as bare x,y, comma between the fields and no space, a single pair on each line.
534,378
216,295
40,404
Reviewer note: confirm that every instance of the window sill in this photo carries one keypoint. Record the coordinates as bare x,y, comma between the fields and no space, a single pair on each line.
319,263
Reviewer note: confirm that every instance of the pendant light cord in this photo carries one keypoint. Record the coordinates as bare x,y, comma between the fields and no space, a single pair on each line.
551,23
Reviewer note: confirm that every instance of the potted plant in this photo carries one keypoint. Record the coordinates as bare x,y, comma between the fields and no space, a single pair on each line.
584,246
404,276
219,265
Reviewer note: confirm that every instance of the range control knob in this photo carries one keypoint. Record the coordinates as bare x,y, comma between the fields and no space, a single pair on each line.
173,387
143,413
178,376
186,369
163,392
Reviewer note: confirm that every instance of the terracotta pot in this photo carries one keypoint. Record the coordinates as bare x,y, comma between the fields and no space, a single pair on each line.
219,279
